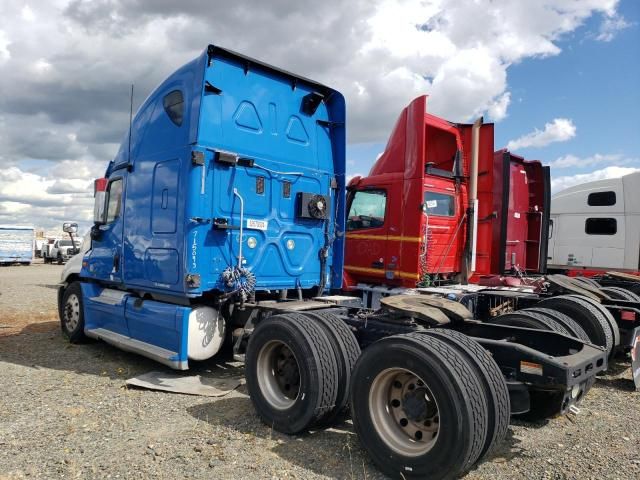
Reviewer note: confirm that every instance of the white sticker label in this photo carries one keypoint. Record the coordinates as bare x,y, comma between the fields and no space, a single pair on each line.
516,214
530,368
257,224
432,203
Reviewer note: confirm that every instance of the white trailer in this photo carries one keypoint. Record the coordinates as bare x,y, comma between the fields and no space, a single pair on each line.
16,244
596,226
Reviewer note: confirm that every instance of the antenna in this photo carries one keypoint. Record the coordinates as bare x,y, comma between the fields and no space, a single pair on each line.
130,122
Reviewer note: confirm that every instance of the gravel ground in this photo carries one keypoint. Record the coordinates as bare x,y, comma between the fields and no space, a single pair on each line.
65,413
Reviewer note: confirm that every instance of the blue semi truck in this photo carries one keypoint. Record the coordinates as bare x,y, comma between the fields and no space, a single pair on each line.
221,221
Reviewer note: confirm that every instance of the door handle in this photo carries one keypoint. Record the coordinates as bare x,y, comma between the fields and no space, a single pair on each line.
116,262
377,264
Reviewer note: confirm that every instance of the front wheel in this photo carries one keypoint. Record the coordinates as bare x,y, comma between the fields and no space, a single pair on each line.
59,259
72,313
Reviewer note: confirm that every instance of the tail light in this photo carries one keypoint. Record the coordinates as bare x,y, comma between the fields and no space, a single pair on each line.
628,316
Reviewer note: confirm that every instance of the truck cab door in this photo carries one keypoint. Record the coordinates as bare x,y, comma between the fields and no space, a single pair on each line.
367,231
444,210
105,257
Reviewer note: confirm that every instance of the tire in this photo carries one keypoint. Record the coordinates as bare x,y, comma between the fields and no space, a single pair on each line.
71,313
588,317
618,293
573,327
588,281
606,314
346,351
59,259
291,355
492,380
528,319
417,367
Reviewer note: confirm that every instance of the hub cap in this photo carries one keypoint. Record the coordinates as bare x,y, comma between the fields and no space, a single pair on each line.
278,375
404,412
72,312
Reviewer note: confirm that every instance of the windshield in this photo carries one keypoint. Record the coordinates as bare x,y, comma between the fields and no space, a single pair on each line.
65,243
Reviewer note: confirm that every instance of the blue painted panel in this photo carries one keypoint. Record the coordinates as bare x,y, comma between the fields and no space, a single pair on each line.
102,315
157,323
259,116
162,266
166,184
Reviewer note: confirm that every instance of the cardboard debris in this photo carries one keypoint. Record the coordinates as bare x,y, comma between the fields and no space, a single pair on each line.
187,384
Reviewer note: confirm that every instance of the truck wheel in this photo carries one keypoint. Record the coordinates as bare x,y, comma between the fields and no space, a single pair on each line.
588,281
608,317
418,407
346,351
59,259
492,380
618,293
573,327
587,316
528,319
72,313
291,372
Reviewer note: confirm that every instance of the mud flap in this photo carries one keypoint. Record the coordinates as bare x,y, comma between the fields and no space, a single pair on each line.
635,357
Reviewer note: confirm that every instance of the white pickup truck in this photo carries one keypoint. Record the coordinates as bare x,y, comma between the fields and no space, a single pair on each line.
61,250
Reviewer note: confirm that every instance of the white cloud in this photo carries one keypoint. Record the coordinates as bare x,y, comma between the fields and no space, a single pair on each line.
42,200
27,14
610,26
560,183
558,130
498,109
74,97
570,160
4,44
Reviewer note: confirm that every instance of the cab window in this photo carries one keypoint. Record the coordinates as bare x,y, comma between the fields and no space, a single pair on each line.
115,200
173,104
367,210
439,204
601,226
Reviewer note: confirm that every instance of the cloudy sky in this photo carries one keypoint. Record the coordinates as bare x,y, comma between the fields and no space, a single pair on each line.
559,77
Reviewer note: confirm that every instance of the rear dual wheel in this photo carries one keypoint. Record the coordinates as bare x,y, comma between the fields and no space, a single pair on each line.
424,408
592,316
618,293
297,369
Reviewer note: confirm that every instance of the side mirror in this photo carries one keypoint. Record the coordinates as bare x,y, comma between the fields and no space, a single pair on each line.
69,227
99,200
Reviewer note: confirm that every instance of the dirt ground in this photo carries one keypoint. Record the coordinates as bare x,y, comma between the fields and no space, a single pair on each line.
65,412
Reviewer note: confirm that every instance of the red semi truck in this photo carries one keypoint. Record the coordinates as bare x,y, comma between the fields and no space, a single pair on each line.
439,206
442,213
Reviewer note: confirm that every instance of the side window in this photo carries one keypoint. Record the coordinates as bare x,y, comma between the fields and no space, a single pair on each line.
601,226
367,210
439,204
173,103
114,193
601,199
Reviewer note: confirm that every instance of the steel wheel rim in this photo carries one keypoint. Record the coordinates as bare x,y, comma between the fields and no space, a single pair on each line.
72,312
278,373
404,412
